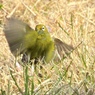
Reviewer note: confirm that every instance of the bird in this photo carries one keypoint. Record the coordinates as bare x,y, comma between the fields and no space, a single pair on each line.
33,43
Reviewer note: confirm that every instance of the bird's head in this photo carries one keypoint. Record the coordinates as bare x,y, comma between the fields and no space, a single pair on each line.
41,29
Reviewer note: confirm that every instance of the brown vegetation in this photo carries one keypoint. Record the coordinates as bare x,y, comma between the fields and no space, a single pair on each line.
73,21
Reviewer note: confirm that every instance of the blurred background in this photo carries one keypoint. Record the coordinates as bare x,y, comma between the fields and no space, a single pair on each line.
72,21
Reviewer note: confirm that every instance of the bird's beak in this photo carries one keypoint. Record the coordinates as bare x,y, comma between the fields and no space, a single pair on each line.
40,32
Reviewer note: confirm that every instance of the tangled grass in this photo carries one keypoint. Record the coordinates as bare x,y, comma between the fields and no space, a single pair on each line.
73,21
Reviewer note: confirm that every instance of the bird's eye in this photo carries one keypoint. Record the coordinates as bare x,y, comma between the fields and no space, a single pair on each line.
43,28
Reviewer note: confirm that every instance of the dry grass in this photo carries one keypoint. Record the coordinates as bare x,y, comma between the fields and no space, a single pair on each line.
75,75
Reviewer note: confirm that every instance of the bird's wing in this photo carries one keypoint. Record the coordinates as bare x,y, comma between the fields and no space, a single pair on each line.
62,48
15,30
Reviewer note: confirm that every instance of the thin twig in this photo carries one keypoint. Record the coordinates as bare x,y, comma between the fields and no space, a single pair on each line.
28,8
12,12
86,19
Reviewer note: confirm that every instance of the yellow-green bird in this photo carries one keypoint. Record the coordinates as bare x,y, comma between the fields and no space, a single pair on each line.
36,44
